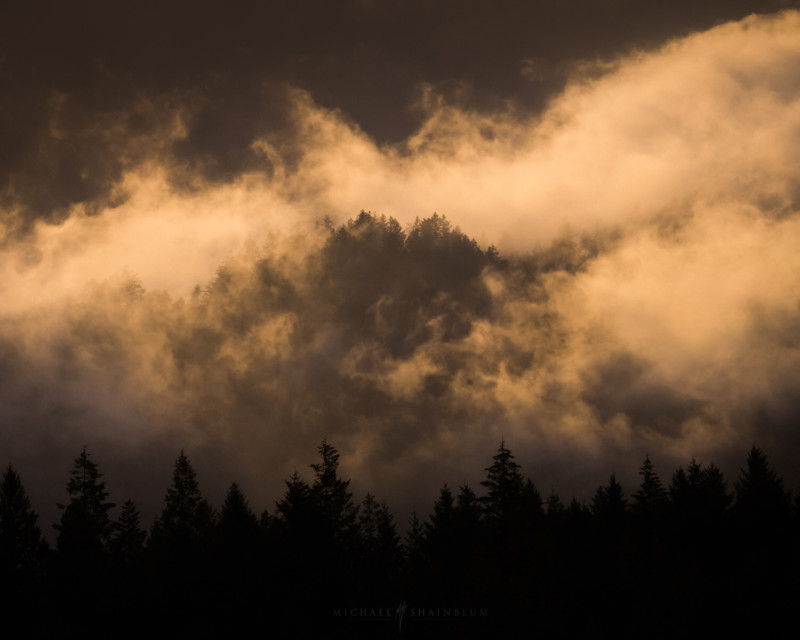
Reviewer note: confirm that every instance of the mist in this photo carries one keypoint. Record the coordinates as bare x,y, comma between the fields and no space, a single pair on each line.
612,275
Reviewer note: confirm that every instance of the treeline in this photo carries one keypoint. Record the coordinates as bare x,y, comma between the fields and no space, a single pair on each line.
688,558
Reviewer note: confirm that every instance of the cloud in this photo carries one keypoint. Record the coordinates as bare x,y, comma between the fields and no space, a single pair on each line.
647,299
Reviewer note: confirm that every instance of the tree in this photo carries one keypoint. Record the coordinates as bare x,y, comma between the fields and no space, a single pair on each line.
380,544
85,525
468,513
651,498
128,542
699,495
440,531
332,496
505,487
761,500
238,525
22,547
294,510
187,518
609,503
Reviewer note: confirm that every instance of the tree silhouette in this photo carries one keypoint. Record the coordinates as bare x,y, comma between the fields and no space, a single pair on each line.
379,547
129,537
22,548
609,503
187,519
699,495
761,500
414,540
332,496
237,522
652,497
85,526
505,485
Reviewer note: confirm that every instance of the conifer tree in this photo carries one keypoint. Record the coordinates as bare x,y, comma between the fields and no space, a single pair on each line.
468,512
367,523
699,494
22,547
85,524
505,487
555,507
295,507
414,540
761,499
332,496
237,522
187,518
442,520
651,497
129,537
609,502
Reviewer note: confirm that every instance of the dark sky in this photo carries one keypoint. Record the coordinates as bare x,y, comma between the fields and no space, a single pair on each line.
79,67
634,160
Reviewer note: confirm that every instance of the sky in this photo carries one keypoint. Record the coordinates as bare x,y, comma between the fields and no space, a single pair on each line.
183,263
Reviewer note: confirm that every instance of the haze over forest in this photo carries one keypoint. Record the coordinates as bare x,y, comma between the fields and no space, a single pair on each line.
414,229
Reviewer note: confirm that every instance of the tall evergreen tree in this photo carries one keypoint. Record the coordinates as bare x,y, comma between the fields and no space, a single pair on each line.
85,523
651,498
414,540
333,497
187,518
129,537
238,524
468,513
22,547
761,499
295,509
505,485
609,503
380,545
441,528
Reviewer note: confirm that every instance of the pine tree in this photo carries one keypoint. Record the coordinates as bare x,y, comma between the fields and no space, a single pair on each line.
555,508
367,523
651,498
505,497
468,512
414,540
332,496
128,542
440,529
294,509
187,518
761,499
85,524
609,502
22,547
237,522
380,544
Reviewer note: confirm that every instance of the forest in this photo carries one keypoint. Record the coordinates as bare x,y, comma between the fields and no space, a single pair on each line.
688,557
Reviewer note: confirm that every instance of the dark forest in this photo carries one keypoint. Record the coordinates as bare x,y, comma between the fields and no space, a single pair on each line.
693,556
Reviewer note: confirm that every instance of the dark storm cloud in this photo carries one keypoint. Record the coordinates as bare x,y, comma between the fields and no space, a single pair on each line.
83,79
